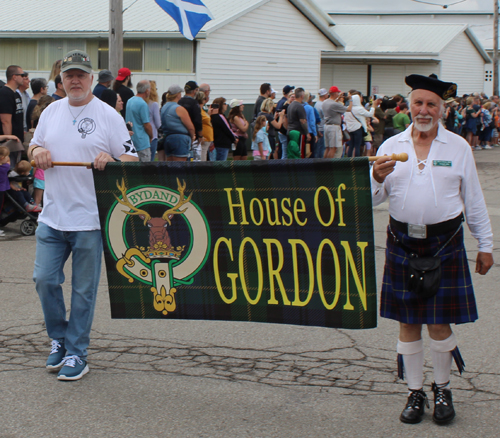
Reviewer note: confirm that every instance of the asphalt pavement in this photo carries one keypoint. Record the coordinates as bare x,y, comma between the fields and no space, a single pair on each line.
154,378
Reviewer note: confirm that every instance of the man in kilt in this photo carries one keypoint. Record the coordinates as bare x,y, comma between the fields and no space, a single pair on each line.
426,274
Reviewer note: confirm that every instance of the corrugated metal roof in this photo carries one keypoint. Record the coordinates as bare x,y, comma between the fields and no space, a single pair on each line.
93,15
397,38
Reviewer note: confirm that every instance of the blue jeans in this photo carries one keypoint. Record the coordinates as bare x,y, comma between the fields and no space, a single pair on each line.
222,154
284,143
355,143
53,248
154,146
320,146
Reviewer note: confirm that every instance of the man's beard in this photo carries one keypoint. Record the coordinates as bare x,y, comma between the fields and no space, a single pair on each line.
79,98
130,85
424,127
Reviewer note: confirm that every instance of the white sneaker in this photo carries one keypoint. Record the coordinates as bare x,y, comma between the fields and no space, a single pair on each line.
2,233
487,147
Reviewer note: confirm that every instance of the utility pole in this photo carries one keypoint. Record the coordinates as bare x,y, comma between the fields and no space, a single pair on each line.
116,36
495,48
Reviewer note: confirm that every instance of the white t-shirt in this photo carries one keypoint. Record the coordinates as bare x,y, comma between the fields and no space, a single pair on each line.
448,183
69,202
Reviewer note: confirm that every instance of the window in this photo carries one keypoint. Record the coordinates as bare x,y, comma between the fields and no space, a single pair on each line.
173,56
20,52
50,50
132,54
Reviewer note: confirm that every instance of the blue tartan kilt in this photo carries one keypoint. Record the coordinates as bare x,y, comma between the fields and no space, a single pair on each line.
454,302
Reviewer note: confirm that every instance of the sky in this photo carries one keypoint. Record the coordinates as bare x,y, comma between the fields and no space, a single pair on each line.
404,5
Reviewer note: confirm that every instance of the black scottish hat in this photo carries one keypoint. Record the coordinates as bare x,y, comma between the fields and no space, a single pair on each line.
444,90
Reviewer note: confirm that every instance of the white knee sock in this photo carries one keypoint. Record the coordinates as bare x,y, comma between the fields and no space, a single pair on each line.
441,358
413,358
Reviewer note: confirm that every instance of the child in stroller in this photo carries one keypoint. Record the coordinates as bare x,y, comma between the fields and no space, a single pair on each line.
17,201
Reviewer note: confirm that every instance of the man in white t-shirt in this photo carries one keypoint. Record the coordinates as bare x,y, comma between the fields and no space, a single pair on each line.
78,128
426,276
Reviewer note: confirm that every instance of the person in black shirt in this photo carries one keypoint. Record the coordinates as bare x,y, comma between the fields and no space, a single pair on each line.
39,88
11,106
265,92
122,85
193,108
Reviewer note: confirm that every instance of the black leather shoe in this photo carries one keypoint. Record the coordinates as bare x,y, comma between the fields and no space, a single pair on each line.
415,406
443,405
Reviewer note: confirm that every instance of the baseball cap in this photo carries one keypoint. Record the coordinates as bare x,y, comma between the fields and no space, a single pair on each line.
190,86
105,76
323,91
76,59
273,91
235,102
288,88
335,89
174,89
123,73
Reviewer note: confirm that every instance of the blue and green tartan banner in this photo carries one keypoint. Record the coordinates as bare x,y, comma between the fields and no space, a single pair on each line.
281,241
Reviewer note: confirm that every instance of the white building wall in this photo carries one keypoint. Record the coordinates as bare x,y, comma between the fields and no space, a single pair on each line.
461,63
390,78
274,43
345,76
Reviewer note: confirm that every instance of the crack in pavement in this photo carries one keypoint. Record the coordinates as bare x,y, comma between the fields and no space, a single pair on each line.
347,368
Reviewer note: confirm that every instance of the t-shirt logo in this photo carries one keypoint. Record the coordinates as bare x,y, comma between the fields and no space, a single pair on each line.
129,147
86,127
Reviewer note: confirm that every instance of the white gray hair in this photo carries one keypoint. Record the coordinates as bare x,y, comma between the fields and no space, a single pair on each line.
143,86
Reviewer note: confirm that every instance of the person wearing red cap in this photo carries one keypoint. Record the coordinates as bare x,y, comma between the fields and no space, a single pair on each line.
426,275
123,86
333,109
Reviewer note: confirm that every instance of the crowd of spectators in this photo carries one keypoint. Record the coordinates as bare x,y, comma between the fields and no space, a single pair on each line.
184,126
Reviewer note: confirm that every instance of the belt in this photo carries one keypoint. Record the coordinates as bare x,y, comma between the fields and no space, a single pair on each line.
425,231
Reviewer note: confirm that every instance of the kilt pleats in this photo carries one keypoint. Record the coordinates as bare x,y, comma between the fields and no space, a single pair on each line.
454,302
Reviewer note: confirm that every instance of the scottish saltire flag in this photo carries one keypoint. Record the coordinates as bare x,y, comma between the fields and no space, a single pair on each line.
190,15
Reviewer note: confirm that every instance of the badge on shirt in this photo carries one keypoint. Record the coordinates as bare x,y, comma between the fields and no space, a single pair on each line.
441,163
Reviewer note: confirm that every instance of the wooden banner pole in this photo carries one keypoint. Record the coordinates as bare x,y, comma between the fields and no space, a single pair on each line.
396,157
65,163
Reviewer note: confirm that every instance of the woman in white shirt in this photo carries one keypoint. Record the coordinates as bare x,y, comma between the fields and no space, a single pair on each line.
355,121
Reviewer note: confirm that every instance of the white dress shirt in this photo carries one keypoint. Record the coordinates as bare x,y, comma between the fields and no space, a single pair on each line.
439,192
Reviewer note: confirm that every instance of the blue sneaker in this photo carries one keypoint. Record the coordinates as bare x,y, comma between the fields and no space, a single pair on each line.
74,368
55,360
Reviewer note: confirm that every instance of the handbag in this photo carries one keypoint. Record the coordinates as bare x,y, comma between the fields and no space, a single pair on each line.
425,272
345,135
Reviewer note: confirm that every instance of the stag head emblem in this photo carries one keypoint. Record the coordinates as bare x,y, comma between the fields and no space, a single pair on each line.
158,233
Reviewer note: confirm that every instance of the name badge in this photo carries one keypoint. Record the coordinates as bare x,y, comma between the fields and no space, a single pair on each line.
441,163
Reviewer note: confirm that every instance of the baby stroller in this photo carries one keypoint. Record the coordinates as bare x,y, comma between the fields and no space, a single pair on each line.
13,211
